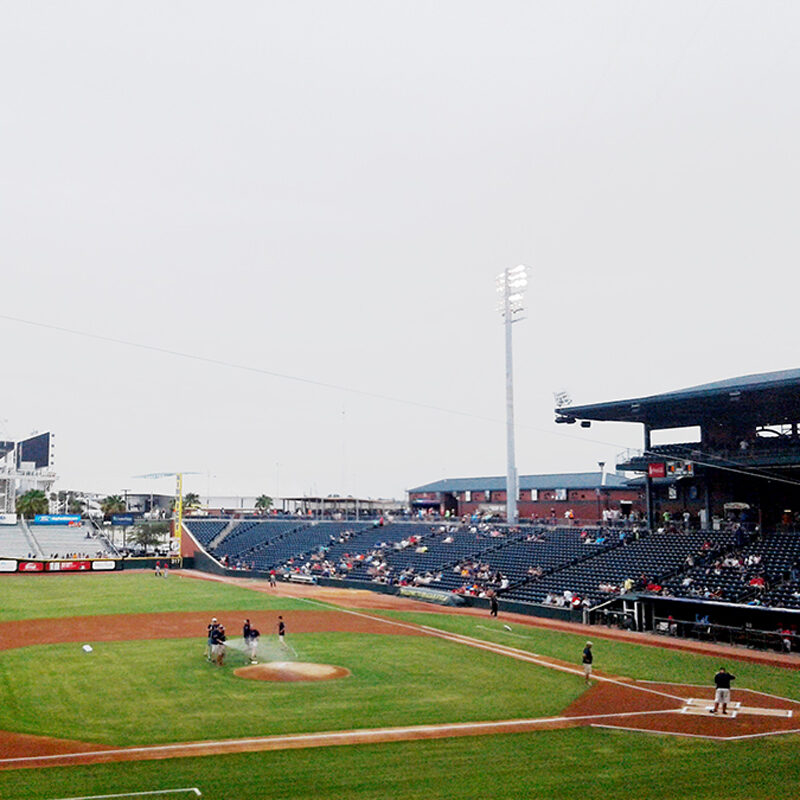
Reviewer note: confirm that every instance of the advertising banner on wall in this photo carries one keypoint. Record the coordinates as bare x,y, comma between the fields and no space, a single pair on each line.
31,566
122,519
8,519
55,519
104,565
68,566
8,565
657,470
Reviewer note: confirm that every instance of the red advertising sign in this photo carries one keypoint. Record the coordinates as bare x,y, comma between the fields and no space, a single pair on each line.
31,566
69,566
657,470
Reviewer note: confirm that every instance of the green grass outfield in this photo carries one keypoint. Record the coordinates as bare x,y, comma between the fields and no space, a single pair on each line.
554,765
47,596
401,680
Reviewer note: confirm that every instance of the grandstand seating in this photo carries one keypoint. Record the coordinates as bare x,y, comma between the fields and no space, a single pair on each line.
777,554
247,538
654,556
353,549
205,530
300,544
14,543
62,541
550,550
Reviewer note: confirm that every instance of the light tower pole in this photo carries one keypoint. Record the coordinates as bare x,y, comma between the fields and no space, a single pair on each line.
511,285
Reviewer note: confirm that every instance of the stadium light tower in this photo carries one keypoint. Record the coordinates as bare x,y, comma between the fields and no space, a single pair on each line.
511,285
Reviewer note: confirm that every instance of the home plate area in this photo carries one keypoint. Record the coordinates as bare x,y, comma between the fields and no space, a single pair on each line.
685,710
696,705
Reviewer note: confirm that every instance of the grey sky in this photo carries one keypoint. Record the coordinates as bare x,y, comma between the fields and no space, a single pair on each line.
329,189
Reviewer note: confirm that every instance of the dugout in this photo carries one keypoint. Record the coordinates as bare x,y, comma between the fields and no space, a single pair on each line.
707,620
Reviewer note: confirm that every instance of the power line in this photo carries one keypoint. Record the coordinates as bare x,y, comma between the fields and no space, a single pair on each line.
219,362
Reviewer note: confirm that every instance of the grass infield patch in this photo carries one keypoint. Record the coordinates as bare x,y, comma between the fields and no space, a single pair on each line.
645,661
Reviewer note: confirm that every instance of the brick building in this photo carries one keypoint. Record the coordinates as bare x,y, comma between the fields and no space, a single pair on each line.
586,494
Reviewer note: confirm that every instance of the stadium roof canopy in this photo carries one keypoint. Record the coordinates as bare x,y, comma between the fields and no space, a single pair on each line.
564,480
765,398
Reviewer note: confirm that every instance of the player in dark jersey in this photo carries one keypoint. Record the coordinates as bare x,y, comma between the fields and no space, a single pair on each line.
218,638
212,626
722,696
282,633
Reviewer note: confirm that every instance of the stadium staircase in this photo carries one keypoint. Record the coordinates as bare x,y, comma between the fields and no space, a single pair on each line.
36,548
221,535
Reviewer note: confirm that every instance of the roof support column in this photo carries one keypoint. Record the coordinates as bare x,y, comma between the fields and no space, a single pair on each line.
648,481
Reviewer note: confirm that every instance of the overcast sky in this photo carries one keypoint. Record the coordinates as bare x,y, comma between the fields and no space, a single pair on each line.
327,190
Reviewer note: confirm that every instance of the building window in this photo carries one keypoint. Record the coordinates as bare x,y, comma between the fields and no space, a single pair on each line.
467,496
534,495
561,494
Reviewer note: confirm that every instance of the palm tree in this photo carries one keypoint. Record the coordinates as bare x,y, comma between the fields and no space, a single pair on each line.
113,504
190,500
264,503
75,506
32,503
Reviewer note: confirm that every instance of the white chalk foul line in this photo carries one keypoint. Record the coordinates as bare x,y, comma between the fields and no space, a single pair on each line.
657,733
356,736
706,686
192,789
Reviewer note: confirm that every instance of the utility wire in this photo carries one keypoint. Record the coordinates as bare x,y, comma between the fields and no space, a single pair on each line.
219,362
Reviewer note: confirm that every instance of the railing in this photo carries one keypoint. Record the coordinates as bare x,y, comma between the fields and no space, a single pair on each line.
727,634
36,548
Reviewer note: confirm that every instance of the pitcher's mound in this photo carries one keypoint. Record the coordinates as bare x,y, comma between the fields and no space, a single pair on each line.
291,671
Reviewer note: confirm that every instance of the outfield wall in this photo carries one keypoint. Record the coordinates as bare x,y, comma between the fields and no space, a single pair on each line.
31,566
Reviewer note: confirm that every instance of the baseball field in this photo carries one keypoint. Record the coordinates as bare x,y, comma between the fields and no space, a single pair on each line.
106,690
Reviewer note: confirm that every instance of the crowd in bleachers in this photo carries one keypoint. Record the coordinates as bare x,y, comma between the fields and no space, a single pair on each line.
563,566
